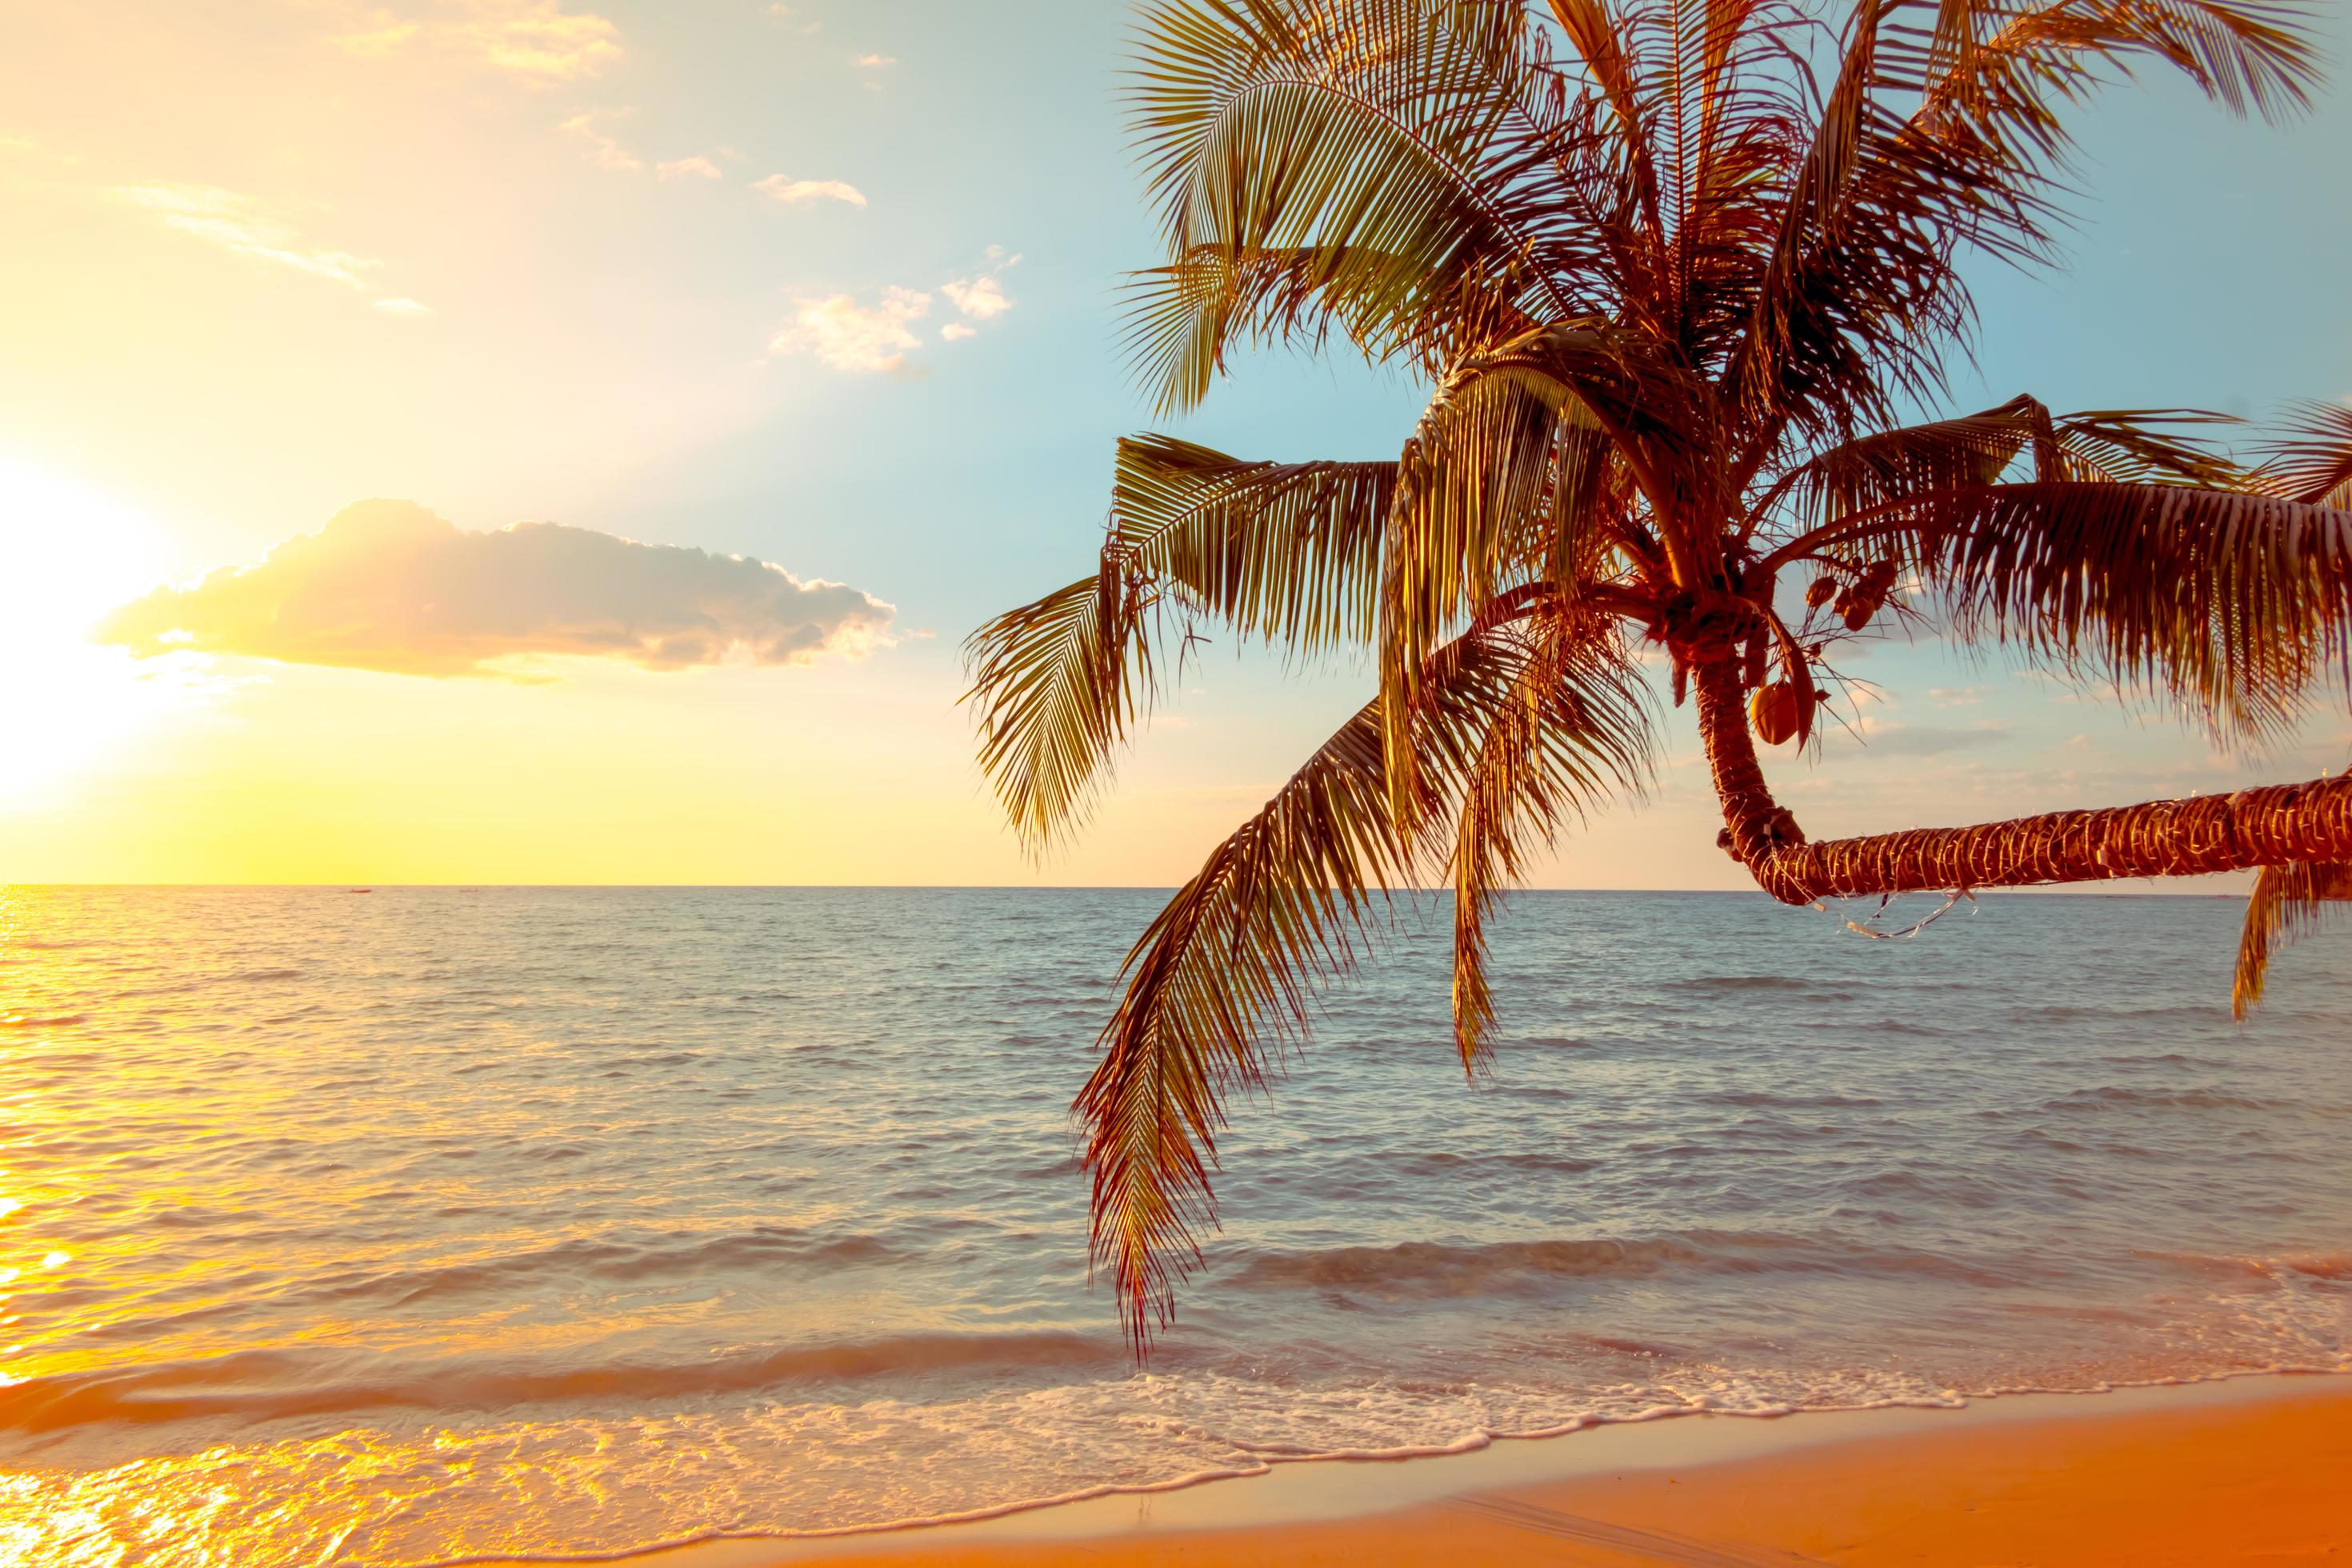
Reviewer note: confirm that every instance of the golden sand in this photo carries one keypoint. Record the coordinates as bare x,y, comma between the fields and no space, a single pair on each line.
2261,1474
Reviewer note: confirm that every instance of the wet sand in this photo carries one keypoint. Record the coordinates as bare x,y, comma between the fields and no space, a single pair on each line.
2254,1471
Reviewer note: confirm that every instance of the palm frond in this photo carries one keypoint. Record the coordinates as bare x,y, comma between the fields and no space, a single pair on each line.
1287,553
1510,468
1573,728
1944,133
1872,470
1602,41
2141,446
1356,161
2288,903
1478,464
1057,682
1283,905
2312,461
2232,604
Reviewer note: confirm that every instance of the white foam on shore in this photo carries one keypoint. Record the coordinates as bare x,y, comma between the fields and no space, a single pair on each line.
1364,1456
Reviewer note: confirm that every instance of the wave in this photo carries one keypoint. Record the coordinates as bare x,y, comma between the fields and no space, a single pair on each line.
2333,1267
34,1021
1455,1165
1435,1270
604,1260
2111,1095
265,1385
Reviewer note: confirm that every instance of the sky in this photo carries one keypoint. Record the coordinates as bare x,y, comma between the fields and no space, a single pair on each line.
355,356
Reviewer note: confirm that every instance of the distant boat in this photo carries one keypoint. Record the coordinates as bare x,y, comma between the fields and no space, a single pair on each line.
359,890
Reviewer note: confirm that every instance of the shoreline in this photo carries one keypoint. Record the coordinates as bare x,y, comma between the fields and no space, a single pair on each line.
1343,1505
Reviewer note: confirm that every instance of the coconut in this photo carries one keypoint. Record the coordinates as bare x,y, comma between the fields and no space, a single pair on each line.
1773,710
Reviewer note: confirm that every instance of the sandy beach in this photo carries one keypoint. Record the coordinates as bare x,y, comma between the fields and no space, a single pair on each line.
2253,1470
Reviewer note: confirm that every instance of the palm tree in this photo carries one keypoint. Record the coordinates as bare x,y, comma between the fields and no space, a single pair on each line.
1673,269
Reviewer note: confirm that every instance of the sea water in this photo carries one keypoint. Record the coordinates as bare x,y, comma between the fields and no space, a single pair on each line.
428,1222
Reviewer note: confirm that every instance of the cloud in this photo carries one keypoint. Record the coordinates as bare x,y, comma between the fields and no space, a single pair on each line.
874,62
849,336
981,298
401,305
607,151
604,151
388,585
537,40
242,225
797,191
978,299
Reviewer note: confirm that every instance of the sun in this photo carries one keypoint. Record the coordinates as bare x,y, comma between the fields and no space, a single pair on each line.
66,703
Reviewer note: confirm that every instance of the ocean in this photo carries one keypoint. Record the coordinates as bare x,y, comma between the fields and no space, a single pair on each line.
431,1223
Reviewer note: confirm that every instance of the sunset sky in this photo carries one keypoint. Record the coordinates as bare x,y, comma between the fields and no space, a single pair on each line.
799,322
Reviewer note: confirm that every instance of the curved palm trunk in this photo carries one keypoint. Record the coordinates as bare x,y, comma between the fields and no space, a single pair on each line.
2278,824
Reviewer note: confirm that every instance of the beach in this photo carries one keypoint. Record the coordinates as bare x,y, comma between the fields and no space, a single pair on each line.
2252,1470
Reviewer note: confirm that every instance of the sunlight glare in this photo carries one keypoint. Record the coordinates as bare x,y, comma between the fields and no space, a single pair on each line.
74,554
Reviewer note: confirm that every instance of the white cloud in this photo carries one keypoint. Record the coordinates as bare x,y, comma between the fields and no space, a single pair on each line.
848,336
784,14
401,305
798,191
242,225
388,585
981,298
875,62
537,40
605,152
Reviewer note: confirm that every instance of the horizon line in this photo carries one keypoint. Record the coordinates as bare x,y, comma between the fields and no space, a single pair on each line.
2163,889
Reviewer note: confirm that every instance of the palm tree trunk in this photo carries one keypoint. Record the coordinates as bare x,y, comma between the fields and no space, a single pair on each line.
1750,812
2278,824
